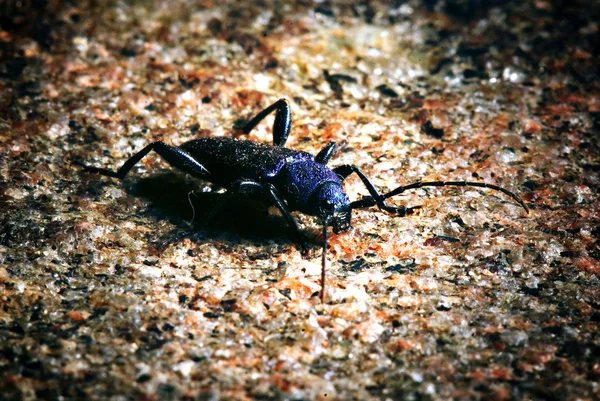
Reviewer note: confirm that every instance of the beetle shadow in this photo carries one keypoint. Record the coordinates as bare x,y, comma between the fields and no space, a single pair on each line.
176,198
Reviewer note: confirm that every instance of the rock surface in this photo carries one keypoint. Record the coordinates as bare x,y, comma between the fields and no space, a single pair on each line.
467,298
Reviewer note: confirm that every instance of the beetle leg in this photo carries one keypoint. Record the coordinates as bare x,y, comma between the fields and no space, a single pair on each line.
172,155
326,153
248,187
282,124
292,224
376,198
238,187
368,201
245,187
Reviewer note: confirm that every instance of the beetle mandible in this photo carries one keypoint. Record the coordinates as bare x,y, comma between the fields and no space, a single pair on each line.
292,180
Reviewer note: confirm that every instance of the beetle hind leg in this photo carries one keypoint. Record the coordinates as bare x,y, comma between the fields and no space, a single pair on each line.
282,124
171,154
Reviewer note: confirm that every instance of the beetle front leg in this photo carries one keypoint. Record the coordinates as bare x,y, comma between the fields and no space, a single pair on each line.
376,198
282,124
171,154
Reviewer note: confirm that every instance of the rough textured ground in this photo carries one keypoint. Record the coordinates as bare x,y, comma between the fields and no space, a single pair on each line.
468,298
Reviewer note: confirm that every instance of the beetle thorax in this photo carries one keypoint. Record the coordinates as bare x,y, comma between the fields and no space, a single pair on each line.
312,188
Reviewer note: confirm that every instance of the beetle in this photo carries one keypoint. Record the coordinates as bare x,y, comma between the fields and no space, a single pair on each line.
292,180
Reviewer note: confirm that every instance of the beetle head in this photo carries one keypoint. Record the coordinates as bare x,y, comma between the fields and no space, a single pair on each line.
332,206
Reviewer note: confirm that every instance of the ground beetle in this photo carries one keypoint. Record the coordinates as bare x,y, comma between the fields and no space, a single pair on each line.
290,179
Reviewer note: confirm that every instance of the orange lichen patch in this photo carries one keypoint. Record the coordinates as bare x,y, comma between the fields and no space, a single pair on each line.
477,374
299,288
501,373
526,367
194,321
135,102
400,346
540,355
78,316
302,305
255,304
248,98
492,329
532,126
204,76
350,310
367,332
520,324
588,213
89,81
232,359
324,321
434,104
594,104
346,246
571,98
424,284
331,132
501,393
584,308
381,315
503,120
588,264
281,383
558,109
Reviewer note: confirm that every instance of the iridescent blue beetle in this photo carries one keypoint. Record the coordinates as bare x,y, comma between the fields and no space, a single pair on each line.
291,179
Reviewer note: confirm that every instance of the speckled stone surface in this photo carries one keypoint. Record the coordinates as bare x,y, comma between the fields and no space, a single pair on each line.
468,298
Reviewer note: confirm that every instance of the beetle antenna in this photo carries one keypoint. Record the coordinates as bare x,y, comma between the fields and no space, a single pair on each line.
369,201
323,257
421,184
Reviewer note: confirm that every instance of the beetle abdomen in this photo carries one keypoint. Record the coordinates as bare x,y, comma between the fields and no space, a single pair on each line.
229,160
